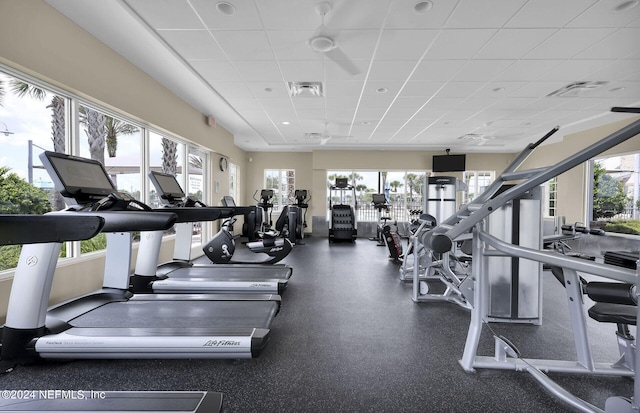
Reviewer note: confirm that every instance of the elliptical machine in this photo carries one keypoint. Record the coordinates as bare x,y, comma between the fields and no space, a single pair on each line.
380,204
266,195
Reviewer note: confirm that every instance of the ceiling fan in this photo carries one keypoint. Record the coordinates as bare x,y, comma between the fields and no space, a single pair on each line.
323,41
325,136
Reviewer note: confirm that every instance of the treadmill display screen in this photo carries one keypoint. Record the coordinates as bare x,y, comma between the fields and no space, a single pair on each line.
77,177
166,185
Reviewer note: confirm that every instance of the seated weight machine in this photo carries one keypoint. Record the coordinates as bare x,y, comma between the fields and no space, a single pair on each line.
616,301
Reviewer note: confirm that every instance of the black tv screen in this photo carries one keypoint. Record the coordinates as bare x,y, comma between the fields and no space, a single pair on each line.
449,163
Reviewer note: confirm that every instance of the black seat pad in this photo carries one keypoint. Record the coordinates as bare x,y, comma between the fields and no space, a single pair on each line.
614,313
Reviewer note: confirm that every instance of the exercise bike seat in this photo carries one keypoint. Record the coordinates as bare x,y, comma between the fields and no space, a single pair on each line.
613,313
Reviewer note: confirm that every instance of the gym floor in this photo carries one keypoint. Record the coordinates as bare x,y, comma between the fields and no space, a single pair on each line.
350,339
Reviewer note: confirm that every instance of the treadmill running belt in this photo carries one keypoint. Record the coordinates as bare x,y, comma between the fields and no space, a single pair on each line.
180,314
235,273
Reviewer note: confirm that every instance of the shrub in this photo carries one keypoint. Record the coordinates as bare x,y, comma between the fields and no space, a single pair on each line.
623,226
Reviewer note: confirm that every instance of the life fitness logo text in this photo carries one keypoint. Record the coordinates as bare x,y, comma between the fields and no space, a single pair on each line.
31,261
221,343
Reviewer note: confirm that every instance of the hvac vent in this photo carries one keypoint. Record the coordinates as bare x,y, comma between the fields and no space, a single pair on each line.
306,89
576,89
476,138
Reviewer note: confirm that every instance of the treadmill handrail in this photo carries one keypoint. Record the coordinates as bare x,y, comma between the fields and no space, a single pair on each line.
128,221
28,229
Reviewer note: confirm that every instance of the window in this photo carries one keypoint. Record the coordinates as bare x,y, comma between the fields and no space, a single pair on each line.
34,117
167,156
234,190
283,184
615,189
403,189
196,183
477,182
551,198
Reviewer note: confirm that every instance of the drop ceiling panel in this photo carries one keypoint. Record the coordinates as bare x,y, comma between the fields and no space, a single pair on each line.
548,13
467,43
619,45
574,70
166,14
244,44
527,70
232,89
603,14
460,89
276,89
263,70
340,88
513,43
437,70
466,13
245,17
213,70
301,70
193,44
404,44
569,42
403,15
423,89
482,70
391,69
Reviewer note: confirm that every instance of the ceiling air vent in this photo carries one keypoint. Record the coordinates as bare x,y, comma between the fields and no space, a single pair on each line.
576,89
476,138
306,89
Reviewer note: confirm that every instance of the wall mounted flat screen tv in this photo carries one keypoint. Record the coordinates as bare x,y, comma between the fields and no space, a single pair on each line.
449,163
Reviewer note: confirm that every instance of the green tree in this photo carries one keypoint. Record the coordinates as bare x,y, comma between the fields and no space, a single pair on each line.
609,198
17,196
395,185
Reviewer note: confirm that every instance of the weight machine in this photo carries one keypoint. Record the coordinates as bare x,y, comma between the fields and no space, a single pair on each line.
613,306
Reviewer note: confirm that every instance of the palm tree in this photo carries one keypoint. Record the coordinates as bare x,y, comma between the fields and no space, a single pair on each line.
169,156
58,129
114,128
412,183
395,185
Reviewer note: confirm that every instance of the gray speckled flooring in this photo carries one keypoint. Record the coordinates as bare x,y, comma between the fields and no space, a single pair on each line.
349,339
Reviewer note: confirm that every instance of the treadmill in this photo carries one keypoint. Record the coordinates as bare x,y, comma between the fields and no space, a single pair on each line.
27,229
180,275
113,323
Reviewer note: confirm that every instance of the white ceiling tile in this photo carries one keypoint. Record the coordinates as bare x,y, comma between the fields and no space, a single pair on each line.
334,71
391,69
404,44
213,70
498,89
166,14
193,44
482,70
245,17
568,42
232,89
276,89
574,70
264,70
467,43
513,43
459,89
617,70
466,14
438,69
548,13
527,70
403,15
292,44
302,70
341,88
244,44
442,103
619,45
537,89
421,88
603,14
245,103
309,103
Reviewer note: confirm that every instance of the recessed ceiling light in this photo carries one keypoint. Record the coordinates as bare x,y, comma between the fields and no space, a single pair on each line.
365,123
498,89
226,8
625,6
422,6
286,123
526,124
268,89
381,90
616,89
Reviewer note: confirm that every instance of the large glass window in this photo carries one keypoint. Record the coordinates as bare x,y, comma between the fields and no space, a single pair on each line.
283,184
33,119
477,182
167,156
403,190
